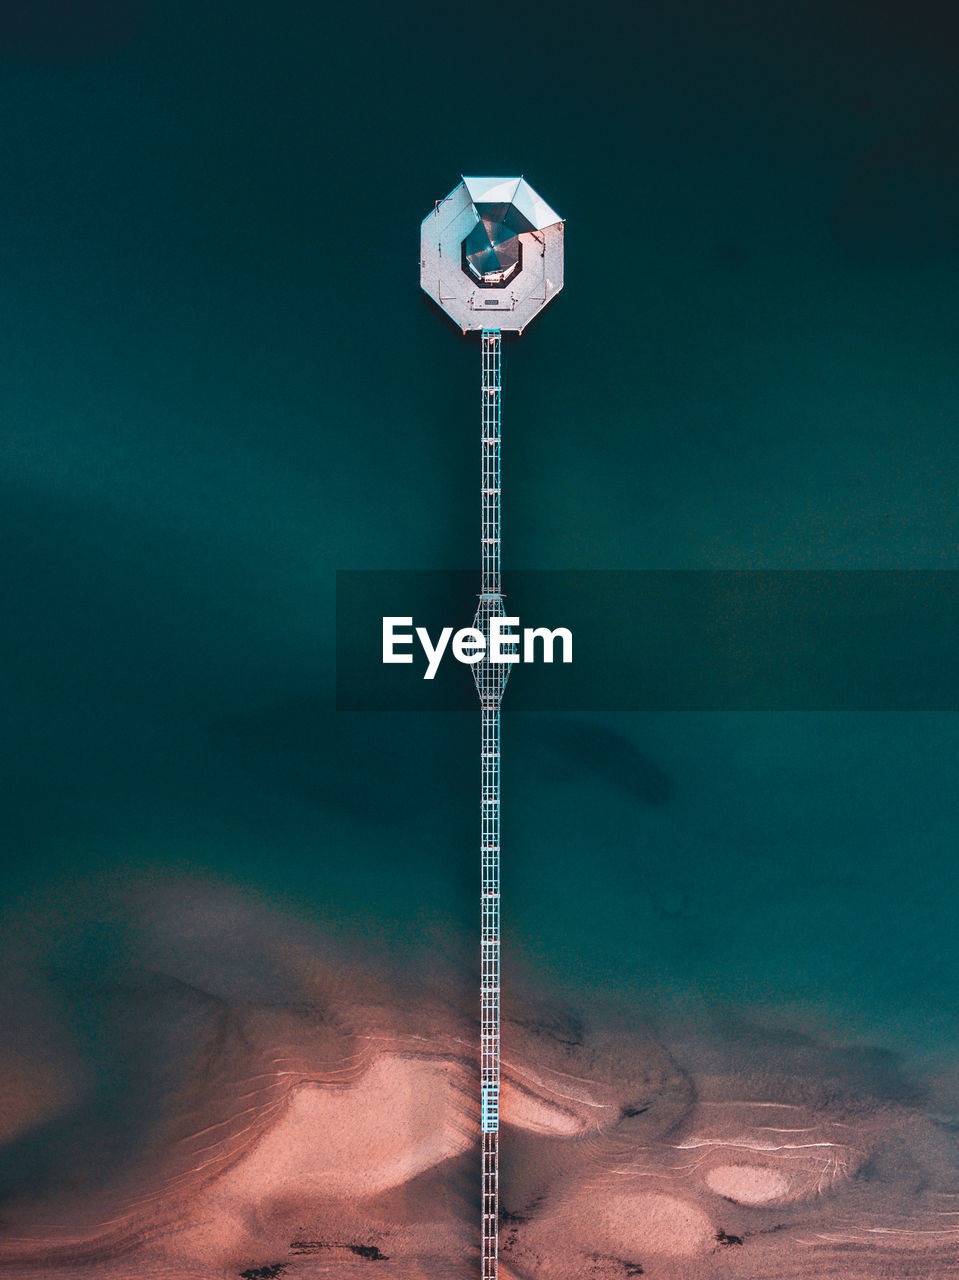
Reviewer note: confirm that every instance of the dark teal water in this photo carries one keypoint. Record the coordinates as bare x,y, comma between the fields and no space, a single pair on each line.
219,384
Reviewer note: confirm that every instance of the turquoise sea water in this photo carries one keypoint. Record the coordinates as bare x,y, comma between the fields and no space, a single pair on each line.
219,384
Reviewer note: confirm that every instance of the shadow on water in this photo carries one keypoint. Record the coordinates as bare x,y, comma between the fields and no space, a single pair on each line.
568,749
383,766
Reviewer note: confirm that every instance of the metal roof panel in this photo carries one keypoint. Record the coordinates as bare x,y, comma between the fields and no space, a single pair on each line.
492,190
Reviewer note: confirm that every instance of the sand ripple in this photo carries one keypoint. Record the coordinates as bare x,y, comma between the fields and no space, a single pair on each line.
328,1125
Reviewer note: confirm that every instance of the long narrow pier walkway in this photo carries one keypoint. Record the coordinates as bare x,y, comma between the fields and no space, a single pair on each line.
490,681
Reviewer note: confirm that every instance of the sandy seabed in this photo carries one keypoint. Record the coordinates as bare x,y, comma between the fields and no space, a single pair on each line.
331,1128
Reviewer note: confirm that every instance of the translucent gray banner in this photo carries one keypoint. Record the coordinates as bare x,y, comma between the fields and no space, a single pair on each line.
689,640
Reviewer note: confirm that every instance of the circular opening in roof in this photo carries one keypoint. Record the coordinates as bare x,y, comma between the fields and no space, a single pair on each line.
493,252
488,264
